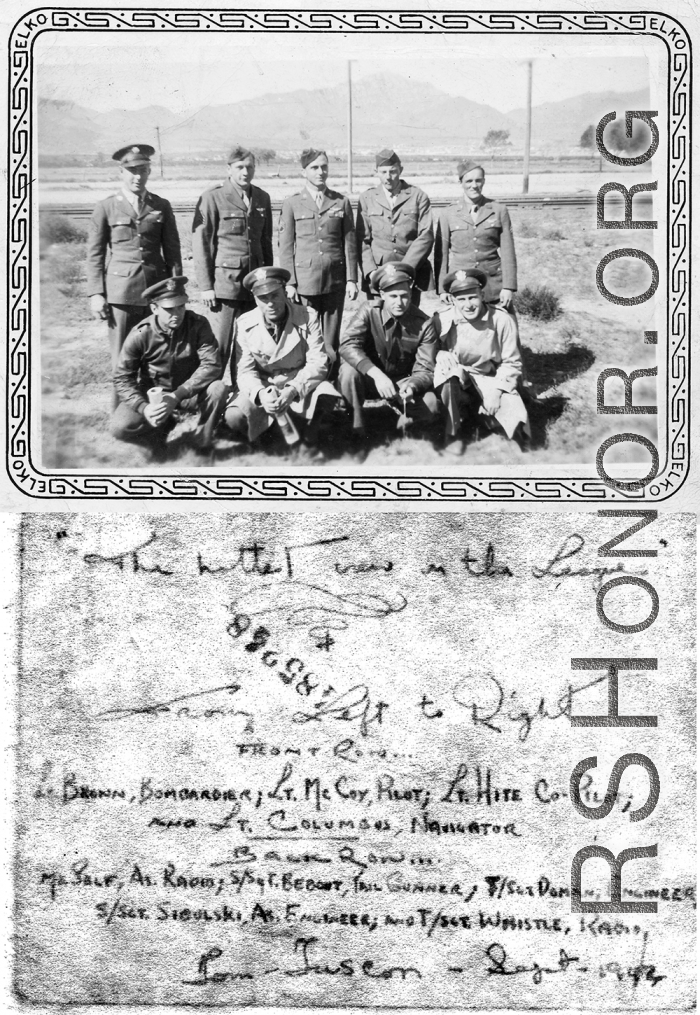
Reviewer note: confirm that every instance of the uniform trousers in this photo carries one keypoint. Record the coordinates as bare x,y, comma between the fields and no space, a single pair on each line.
127,424
223,320
464,399
356,388
245,418
122,318
329,307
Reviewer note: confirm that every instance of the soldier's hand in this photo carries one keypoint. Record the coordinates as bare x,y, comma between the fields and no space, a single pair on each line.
445,298
209,299
351,290
292,293
170,400
269,399
506,299
491,403
385,386
287,395
156,414
406,390
99,308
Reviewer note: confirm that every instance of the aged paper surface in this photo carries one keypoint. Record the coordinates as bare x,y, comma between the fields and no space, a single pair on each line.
325,760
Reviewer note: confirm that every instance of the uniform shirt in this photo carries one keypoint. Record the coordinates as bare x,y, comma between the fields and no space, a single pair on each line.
230,239
372,339
184,362
317,245
482,241
402,232
298,357
488,345
127,252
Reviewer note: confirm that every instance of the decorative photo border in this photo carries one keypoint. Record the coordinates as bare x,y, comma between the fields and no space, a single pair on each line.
21,213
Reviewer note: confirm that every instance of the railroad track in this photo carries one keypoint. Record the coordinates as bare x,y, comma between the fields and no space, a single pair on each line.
521,201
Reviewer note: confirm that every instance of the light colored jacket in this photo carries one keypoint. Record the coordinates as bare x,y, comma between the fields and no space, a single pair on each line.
299,357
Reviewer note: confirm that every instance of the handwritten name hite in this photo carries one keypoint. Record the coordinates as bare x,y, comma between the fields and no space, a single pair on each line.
325,761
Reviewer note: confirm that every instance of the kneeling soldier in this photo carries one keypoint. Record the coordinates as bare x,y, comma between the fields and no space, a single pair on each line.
388,351
283,366
479,367
171,359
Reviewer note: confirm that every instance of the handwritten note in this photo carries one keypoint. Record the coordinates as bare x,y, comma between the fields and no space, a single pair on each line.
325,760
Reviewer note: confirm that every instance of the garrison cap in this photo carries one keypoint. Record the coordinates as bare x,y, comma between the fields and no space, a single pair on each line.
465,280
239,154
310,155
386,157
466,166
134,155
392,274
266,280
169,292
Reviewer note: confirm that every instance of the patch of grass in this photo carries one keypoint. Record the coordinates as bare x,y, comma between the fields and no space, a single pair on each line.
553,234
527,230
539,302
74,376
60,229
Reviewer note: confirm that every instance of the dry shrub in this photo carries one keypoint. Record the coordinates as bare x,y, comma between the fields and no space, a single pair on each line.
538,302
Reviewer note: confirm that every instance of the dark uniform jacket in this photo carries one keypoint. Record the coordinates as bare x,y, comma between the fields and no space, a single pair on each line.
185,362
371,340
317,246
126,252
486,243
401,233
230,240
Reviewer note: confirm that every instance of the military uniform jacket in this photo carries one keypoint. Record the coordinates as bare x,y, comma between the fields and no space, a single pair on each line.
486,346
485,242
229,240
298,357
185,362
371,340
128,252
401,233
317,246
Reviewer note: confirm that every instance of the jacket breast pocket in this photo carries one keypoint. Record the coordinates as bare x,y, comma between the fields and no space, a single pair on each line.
305,225
232,225
379,224
333,225
121,230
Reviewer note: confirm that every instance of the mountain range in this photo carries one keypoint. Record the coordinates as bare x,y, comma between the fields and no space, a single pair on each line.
388,110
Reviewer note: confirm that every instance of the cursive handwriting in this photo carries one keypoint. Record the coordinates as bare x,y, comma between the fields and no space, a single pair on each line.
164,707
348,707
496,954
571,547
304,605
484,714
309,967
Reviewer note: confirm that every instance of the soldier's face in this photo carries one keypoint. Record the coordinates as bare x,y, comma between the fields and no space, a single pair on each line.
169,318
273,305
397,299
473,184
469,304
317,172
390,176
241,173
134,177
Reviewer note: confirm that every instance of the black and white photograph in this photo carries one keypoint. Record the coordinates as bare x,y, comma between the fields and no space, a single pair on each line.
356,255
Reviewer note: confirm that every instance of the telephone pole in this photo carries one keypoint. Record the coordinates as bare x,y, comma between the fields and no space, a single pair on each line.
349,127
528,130
160,154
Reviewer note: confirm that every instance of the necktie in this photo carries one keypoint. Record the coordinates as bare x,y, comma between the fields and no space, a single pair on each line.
246,200
393,333
318,196
474,211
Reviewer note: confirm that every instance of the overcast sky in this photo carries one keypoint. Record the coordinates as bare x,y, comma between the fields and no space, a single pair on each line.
185,74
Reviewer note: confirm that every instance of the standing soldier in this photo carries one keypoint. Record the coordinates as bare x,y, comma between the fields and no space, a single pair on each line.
138,230
317,248
394,223
232,236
